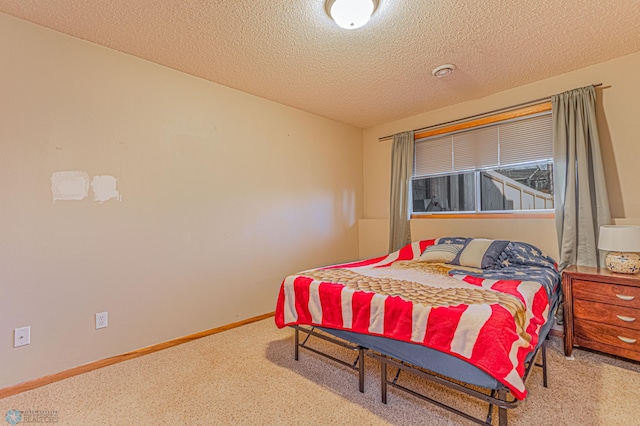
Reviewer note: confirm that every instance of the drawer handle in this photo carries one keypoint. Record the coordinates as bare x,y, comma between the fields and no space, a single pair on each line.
626,339
623,297
626,319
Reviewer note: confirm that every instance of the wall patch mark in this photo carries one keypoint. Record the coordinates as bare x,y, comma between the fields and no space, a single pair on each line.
71,185
104,188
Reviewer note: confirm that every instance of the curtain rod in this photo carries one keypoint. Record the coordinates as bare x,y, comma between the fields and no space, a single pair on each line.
460,120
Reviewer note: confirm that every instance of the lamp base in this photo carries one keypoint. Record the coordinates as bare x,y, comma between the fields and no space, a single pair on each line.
623,263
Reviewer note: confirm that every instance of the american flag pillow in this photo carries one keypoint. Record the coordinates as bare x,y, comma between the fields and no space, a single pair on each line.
480,253
440,253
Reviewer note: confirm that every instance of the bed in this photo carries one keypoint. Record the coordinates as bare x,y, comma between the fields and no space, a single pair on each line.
464,312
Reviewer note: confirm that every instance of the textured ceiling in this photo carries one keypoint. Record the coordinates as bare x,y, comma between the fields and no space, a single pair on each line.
291,52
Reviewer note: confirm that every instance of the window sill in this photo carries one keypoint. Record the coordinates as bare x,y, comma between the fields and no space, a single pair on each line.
546,215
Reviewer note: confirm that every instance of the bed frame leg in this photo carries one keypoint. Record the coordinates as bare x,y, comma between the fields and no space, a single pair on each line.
544,363
490,411
296,351
502,412
383,381
361,369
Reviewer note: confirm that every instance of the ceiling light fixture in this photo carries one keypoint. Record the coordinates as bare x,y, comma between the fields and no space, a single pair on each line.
443,70
351,14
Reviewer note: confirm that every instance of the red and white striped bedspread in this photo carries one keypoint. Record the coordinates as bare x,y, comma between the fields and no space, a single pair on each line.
493,325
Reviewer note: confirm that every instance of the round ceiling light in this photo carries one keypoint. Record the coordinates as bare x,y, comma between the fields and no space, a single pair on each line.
351,14
443,70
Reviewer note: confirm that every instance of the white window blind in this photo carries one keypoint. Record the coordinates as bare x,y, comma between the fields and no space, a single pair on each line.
433,156
525,139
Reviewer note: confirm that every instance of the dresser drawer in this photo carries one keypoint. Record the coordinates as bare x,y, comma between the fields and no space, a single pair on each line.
608,349
609,314
614,294
611,335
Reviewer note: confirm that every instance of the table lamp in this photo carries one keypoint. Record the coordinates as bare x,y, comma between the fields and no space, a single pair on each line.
623,244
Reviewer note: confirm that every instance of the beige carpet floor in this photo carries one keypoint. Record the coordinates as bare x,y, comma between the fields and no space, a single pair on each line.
247,376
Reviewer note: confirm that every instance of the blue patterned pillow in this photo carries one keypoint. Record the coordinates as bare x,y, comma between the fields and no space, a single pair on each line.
480,253
503,259
524,254
452,240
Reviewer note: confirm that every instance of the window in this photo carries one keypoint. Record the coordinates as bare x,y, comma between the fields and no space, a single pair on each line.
500,165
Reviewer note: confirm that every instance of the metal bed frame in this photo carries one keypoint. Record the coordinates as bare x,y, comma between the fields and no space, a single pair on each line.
498,397
358,364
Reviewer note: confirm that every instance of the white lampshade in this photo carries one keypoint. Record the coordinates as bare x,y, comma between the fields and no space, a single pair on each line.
622,238
621,242
351,14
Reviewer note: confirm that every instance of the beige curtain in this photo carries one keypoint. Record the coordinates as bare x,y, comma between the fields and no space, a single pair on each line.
401,171
581,201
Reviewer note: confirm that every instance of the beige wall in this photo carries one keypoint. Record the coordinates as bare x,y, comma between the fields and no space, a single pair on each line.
618,112
223,194
374,233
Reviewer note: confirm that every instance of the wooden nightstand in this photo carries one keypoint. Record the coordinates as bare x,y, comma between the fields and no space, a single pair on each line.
601,311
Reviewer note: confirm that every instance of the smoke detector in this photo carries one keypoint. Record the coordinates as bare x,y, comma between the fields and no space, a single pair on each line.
443,70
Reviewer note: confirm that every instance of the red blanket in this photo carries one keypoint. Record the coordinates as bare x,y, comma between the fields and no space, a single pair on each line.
492,324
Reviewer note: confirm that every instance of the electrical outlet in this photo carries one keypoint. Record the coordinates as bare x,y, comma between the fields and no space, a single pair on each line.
21,336
101,320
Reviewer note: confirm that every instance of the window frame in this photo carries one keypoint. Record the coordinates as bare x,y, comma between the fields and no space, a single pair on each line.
479,213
